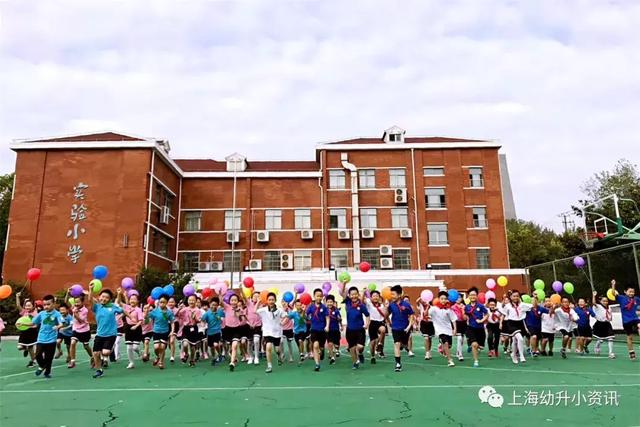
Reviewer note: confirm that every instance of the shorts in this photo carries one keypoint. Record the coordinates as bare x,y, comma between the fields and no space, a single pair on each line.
566,333
446,339
631,328
585,331
82,337
512,327
160,337
120,330
319,336
427,329
273,340
374,329
147,336
288,334
214,339
255,331
334,337
103,343
535,332
133,336
176,328
355,337
190,334
477,335
231,334
548,336
401,336
461,327
245,332
300,336
65,338
28,338
603,330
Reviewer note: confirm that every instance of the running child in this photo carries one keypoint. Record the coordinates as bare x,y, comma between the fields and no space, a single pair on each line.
443,320
318,314
147,334
461,326
377,324
189,317
299,317
402,319
255,327
213,317
81,332
426,326
162,326
176,335
287,330
409,346
132,327
65,332
271,322
585,333
493,327
602,329
533,321
107,331
356,326
335,328
235,317
548,329
629,304
565,319
476,315
514,313
28,338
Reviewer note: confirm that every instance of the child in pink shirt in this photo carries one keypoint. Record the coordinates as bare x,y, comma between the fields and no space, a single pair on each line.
189,317
255,326
80,331
235,318
287,330
147,334
133,328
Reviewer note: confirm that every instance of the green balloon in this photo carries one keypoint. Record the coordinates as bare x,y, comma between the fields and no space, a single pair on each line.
539,294
95,285
72,301
568,288
538,284
23,319
526,299
344,277
372,286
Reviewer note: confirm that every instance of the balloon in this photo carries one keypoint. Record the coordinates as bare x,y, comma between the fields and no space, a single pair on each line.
579,262
526,299
340,287
157,292
76,291
426,296
150,301
132,292
38,303
568,288
100,272
95,285
325,292
489,295
305,299
287,297
247,292
539,293
299,288
344,277
227,296
71,301
611,295
557,286
217,287
264,295
372,286
386,293
365,266
274,290
453,295
23,319
467,301
482,297
224,287
5,291
367,293
326,286
127,283
555,299
491,284
538,284
188,290
168,290
207,293
33,274
502,281
248,282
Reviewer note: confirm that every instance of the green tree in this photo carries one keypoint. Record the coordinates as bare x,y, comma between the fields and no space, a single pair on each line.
531,244
6,189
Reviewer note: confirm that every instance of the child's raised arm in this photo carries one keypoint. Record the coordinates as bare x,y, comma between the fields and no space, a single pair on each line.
18,301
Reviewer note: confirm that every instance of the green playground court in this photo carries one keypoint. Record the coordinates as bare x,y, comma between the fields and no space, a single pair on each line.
579,391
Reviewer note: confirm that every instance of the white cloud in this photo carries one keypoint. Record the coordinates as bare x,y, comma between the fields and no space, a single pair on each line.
555,82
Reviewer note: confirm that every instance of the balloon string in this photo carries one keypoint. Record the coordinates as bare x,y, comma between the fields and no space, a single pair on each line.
588,280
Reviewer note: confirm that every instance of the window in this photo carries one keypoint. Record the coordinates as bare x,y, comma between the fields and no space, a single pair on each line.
273,219
438,234
367,178
190,261
397,178
395,137
271,261
433,171
160,243
372,256
303,219
435,198
340,258
482,258
480,218
475,178
337,218
336,179
231,223
399,218
230,265
440,266
402,259
368,218
302,260
192,220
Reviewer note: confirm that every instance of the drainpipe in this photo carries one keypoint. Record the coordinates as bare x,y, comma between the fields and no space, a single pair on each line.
322,210
355,207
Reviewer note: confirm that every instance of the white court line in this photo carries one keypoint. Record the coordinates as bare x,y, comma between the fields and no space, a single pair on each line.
32,372
330,387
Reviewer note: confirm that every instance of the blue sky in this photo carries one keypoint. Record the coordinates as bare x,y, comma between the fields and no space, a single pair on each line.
555,82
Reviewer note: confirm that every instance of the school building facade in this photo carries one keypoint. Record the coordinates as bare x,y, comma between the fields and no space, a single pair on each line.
430,205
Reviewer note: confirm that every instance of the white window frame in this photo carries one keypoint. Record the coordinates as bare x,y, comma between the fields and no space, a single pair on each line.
272,219
337,179
399,218
367,178
342,217
435,236
229,223
397,178
424,170
302,260
343,254
368,218
488,257
476,180
440,204
481,221
302,219
193,221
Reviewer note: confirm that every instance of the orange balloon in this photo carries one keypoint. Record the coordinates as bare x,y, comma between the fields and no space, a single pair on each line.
5,291
555,299
386,293
263,296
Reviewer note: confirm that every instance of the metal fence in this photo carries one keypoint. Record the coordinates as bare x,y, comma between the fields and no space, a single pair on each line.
621,263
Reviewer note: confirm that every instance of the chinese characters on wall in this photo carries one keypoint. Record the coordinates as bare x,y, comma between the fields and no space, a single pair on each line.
78,216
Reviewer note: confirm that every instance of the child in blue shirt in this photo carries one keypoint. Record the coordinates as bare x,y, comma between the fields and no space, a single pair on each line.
106,329
299,317
213,317
585,333
401,314
533,320
335,327
318,313
476,315
64,334
629,304
356,336
163,325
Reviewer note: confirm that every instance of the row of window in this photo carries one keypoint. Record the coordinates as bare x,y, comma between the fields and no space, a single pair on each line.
397,177
337,218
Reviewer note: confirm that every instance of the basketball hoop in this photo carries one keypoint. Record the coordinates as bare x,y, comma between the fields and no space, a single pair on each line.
591,237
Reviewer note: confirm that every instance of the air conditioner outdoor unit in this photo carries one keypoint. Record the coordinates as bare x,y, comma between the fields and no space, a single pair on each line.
367,233
343,234
164,215
405,233
255,264
306,234
263,236
233,236
204,266
386,250
386,263
401,195
216,265
286,261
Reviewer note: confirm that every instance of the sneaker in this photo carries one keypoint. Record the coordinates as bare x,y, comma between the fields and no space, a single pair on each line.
450,364
550,353
563,353
256,361
568,350
522,359
586,350
373,361
145,358
232,366
381,354
280,361
301,358
460,358
398,367
427,355
317,368
613,356
355,366
536,353
268,370
514,358
58,355
130,365
39,372
490,354
475,364
529,352
105,364
172,359
25,353
332,361
632,355
71,365
361,358
31,364
47,376
155,362
98,373
410,353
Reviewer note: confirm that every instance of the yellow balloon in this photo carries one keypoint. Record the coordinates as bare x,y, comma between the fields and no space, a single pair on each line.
247,292
467,301
611,295
502,281
274,290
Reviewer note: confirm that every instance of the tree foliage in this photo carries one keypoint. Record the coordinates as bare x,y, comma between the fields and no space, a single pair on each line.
531,244
150,277
6,189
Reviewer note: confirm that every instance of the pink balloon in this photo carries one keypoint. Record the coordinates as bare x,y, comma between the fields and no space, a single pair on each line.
491,284
223,288
426,296
489,294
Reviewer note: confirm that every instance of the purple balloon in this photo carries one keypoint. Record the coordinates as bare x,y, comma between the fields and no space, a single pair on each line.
76,290
299,288
557,286
127,283
579,262
326,286
227,297
325,292
131,292
188,290
367,293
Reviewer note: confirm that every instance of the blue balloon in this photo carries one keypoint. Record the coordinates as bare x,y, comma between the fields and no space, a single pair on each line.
453,295
287,297
157,292
168,290
100,272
